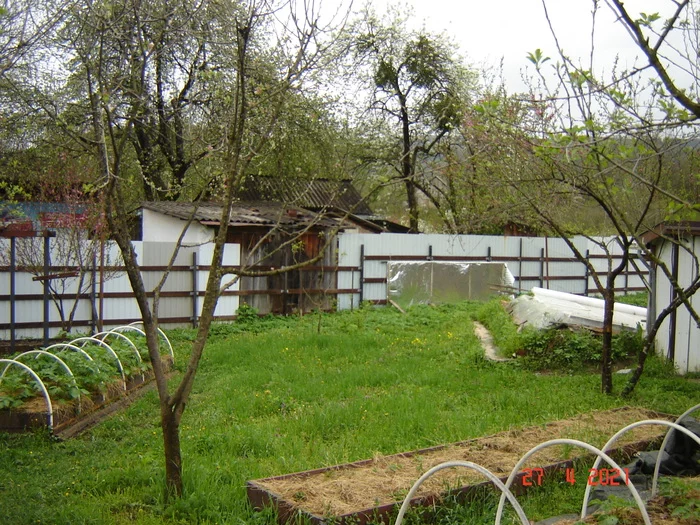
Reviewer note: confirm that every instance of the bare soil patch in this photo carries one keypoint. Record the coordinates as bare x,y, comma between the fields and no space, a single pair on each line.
347,489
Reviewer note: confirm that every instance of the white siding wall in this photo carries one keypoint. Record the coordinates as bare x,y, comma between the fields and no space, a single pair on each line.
158,227
687,333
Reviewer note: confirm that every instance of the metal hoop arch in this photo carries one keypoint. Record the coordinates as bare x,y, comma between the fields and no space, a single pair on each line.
45,393
618,434
505,492
590,448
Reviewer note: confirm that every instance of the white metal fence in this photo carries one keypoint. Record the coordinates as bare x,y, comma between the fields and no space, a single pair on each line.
106,298
533,261
361,275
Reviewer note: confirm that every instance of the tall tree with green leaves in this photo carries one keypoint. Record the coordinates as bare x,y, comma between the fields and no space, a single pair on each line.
417,95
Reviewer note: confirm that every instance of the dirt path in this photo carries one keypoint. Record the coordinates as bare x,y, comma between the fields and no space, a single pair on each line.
490,349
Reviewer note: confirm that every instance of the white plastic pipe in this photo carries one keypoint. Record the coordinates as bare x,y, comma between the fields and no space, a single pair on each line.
612,441
657,467
42,387
505,492
590,448
162,333
37,353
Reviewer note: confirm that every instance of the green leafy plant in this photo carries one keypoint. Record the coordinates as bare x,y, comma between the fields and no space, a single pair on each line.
90,376
15,389
246,314
573,349
627,343
559,349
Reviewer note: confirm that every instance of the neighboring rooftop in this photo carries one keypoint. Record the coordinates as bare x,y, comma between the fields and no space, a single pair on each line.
314,194
244,214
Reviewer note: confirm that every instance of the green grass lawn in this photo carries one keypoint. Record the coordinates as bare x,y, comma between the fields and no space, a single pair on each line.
279,396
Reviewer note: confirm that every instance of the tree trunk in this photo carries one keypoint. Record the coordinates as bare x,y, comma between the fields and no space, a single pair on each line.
639,370
407,167
170,422
412,200
606,360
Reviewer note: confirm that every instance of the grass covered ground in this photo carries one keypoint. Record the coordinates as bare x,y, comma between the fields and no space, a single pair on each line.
279,396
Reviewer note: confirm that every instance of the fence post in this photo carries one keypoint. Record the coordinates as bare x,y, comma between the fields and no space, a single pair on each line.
675,255
488,254
587,272
285,291
195,289
362,273
93,295
13,291
100,318
546,258
541,267
47,262
520,267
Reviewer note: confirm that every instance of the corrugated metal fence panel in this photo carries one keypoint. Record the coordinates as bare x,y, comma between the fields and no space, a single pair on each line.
30,251
534,261
662,298
630,279
158,255
693,349
687,354
119,303
120,308
228,304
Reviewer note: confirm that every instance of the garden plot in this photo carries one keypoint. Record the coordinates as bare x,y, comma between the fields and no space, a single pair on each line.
55,386
357,492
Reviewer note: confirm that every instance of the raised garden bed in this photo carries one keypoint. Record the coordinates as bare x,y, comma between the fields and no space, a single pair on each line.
371,489
66,382
32,414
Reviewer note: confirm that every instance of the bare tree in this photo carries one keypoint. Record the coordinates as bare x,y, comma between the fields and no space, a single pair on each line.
610,144
75,253
257,95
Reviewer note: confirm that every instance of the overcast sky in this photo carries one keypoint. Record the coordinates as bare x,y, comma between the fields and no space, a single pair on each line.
508,29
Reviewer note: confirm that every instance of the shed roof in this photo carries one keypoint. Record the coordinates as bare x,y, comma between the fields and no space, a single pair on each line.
671,229
313,193
263,214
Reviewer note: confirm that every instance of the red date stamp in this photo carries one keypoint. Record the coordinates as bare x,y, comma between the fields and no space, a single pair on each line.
596,477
